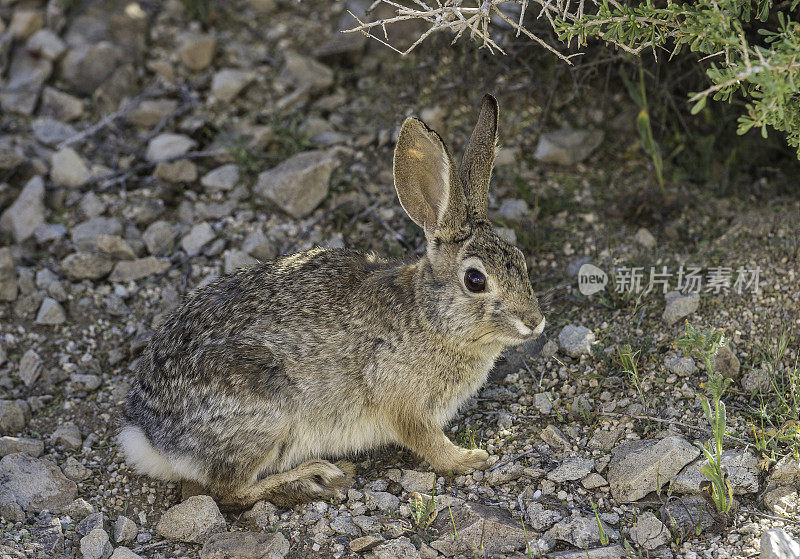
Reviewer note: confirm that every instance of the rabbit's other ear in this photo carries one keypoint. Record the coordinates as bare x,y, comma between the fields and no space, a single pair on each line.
476,166
426,180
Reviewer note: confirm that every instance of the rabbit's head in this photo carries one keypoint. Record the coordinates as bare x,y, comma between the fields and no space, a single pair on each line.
476,285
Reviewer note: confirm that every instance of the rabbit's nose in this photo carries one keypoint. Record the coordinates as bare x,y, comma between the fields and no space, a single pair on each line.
536,325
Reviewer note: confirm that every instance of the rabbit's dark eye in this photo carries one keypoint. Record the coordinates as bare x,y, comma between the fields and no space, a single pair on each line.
474,280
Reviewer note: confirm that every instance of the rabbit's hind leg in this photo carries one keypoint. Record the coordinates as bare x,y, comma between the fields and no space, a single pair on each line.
310,481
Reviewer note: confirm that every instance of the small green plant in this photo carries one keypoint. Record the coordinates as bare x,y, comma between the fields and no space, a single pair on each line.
629,363
601,528
466,438
423,510
703,344
453,523
717,487
639,95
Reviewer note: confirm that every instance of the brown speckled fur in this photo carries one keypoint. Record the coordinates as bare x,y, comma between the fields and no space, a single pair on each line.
259,376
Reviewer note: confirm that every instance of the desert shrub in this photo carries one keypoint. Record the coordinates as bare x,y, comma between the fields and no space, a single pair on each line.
749,49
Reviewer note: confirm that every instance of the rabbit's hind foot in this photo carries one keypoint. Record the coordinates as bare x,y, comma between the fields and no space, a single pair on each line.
314,480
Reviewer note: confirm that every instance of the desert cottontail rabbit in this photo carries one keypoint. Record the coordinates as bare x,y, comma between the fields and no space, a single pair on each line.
262,374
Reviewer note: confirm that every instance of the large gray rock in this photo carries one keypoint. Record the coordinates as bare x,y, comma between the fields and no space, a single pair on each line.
581,531
86,234
123,552
575,340
46,43
95,545
571,470
12,418
60,106
51,132
30,367
24,80
197,51
777,544
87,67
299,184
8,276
639,467
11,445
199,236
567,147
400,548
478,525
68,169
742,468
124,530
785,472
221,178
27,212
34,484
159,237
679,306
417,482
245,545
681,366
51,313
86,265
150,112
228,83
649,532
132,270
193,520
236,259
11,154
115,247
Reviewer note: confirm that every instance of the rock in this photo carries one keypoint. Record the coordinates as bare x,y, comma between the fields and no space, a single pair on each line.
200,235
8,276
567,147
681,366
87,382
679,306
30,367
132,270
639,467
178,171
514,209
649,532
742,468
95,545
258,246
86,234
47,44
51,132
228,83
115,247
540,518
571,470
124,530
35,484
236,259
60,106
783,501
168,146
51,313
554,437
67,435
575,340
299,184
92,205
494,531
245,545
785,472
87,67
542,402
74,470
11,445
86,265
777,544
27,211
343,524
78,509
417,482
645,238
48,535
400,548
754,380
93,521
24,80
221,178
381,501
305,74
581,531
263,514
25,23
365,543
11,154
193,520
726,363
159,237
12,418
68,169
197,51
593,481
150,112
123,552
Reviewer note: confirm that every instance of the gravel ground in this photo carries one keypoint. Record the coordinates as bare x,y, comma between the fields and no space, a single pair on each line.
142,155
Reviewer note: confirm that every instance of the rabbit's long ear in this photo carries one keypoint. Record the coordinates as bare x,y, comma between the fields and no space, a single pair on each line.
476,166
426,180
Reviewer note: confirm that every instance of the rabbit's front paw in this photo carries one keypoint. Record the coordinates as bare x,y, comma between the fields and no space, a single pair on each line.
474,459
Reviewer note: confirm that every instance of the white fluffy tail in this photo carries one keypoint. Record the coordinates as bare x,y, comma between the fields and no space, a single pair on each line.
145,459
